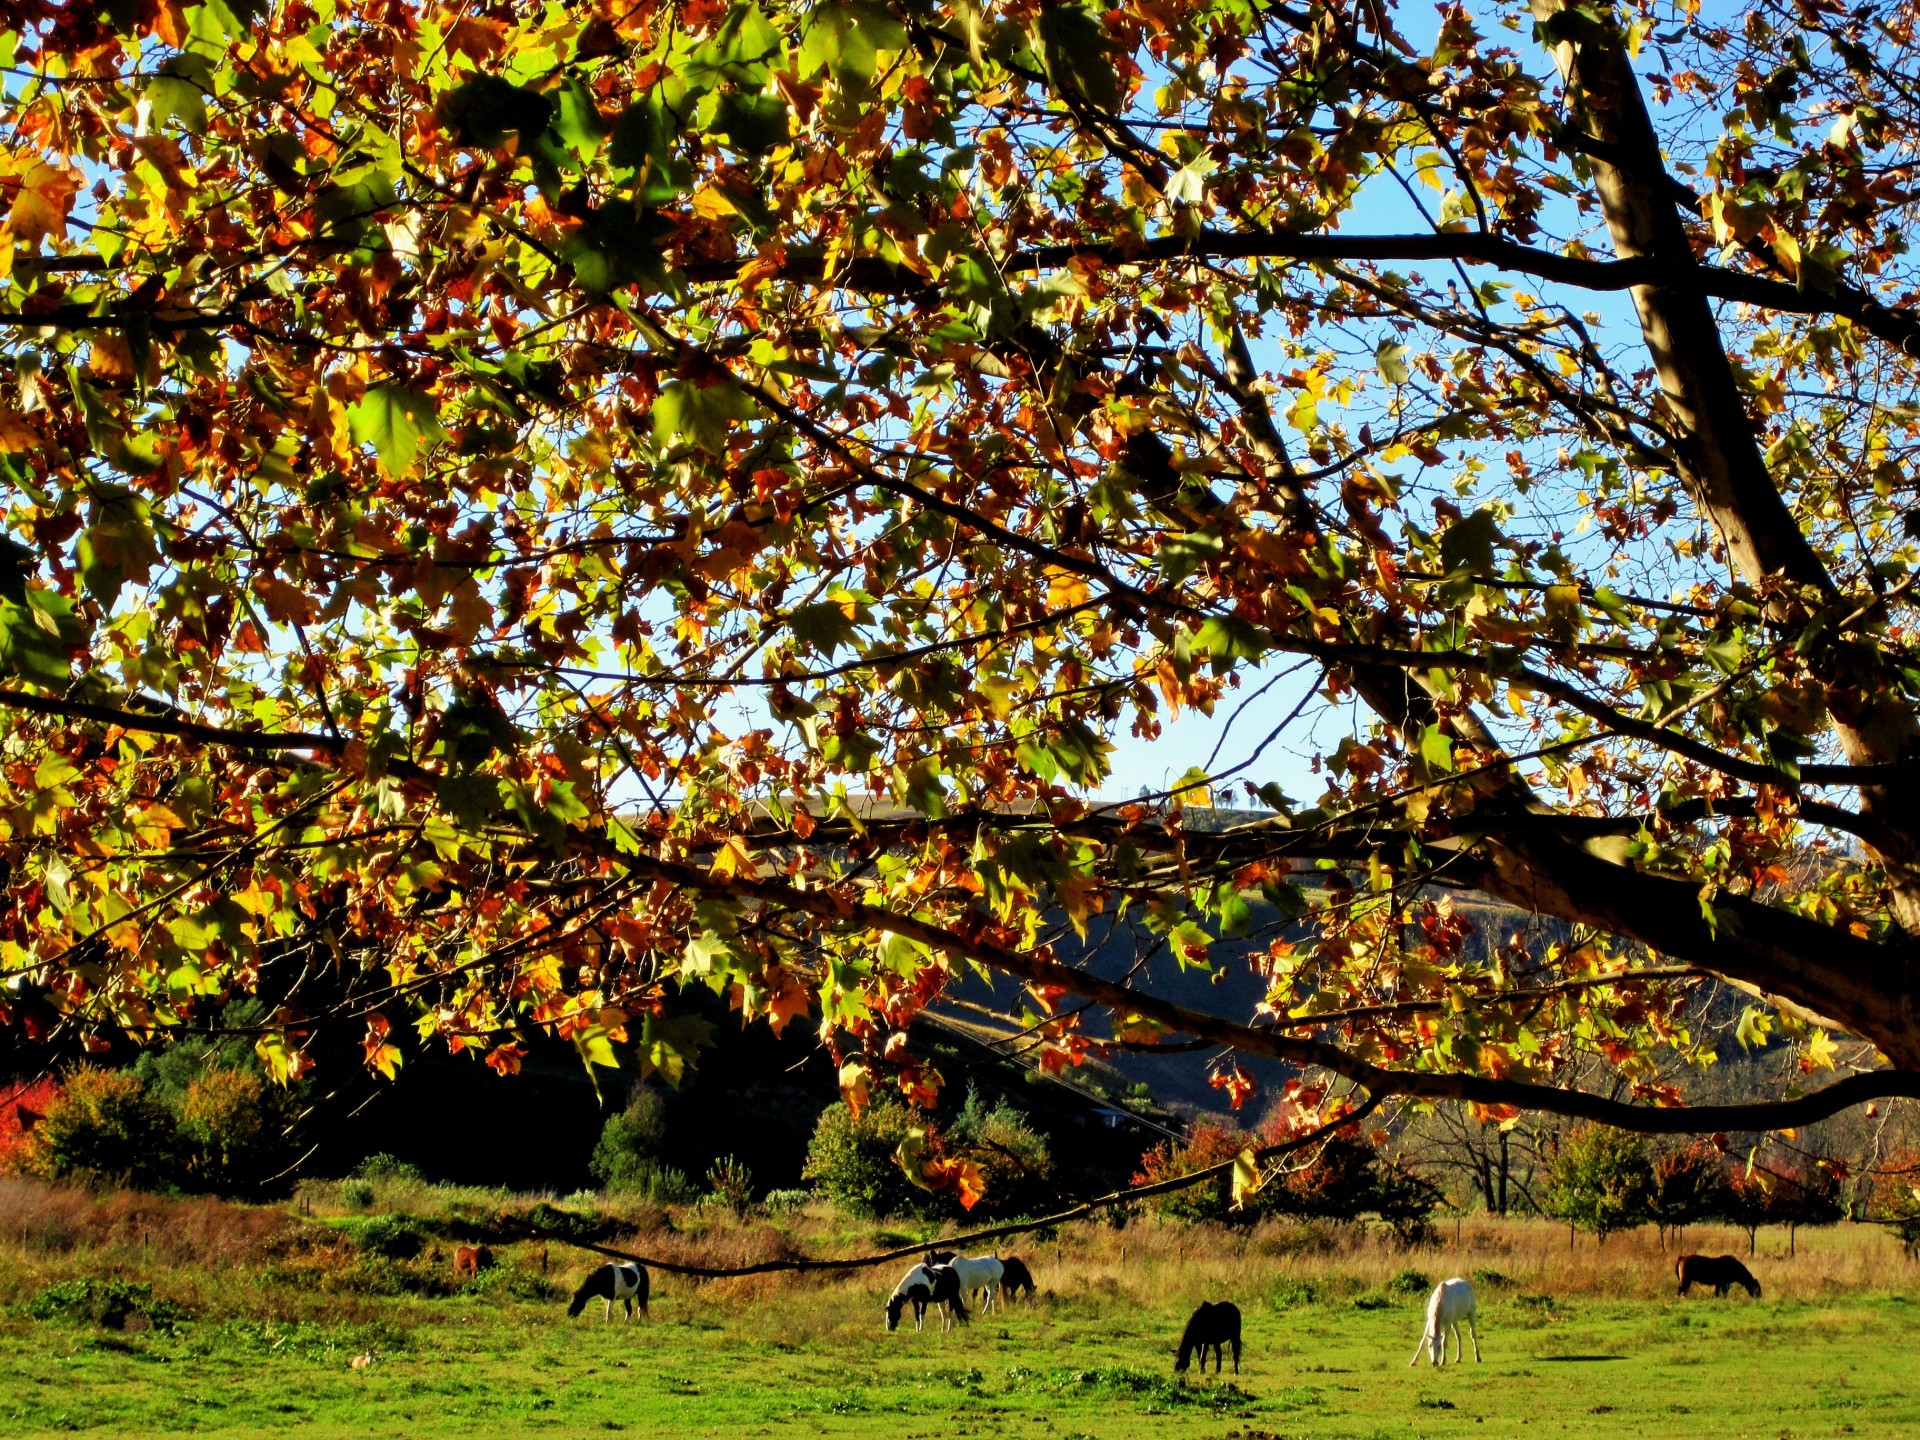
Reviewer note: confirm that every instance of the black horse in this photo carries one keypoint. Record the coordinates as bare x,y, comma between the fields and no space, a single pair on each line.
1015,1278
1719,1271
626,1283
1215,1324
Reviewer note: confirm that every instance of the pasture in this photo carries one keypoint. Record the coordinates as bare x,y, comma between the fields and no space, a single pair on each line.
1587,1344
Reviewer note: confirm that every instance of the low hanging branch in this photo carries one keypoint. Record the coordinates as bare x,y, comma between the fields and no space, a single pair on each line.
995,1232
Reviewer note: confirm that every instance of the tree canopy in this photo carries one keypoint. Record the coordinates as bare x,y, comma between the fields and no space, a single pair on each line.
513,510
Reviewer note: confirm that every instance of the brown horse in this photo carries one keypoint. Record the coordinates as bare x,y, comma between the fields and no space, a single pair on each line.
1719,1271
470,1260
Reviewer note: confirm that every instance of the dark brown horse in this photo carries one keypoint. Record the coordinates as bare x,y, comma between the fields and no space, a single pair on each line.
1215,1325
1719,1271
1017,1278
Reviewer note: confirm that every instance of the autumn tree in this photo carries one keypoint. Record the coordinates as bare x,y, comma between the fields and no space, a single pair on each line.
515,510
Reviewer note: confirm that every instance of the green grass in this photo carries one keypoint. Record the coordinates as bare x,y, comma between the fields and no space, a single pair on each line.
803,1361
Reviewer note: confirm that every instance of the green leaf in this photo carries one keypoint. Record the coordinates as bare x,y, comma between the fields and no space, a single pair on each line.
698,415
577,119
846,38
669,1044
1390,359
825,627
1077,56
752,124
485,110
38,638
396,421
1228,639
1468,544
1436,750
117,546
1189,944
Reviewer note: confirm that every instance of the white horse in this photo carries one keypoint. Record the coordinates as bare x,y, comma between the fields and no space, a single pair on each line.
926,1285
1452,1301
977,1272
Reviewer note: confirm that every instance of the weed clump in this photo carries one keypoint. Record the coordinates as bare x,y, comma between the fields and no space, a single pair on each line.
110,1304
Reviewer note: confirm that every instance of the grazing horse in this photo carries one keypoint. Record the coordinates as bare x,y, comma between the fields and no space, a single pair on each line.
978,1273
926,1285
1215,1324
625,1282
1719,1271
1016,1278
470,1260
1451,1302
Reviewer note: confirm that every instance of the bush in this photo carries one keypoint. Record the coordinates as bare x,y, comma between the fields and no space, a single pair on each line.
1687,1186
1601,1180
1347,1179
228,1136
392,1237
357,1193
780,1202
731,1184
1012,1156
110,1303
1410,1282
628,1153
106,1125
1207,1144
850,1159
656,1184
382,1166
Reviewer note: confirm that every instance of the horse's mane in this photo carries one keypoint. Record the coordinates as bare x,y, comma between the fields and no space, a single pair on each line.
600,1282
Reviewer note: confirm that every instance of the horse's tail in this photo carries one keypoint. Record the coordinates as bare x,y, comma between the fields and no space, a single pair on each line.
959,1305
640,1294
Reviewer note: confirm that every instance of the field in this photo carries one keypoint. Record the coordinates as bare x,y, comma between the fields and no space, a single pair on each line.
1587,1342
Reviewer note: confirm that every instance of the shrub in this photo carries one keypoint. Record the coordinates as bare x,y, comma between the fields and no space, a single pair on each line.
1207,1144
1348,1178
1410,1282
110,1303
392,1237
1013,1157
226,1129
779,1202
732,1185
382,1166
22,1104
850,1159
1601,1180
105,1124
656,1184
1687,1186
628,1153
357,1193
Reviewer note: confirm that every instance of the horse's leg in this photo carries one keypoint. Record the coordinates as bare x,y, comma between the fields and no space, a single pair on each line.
609,1315
1236,1354
1424,1339
1474,1330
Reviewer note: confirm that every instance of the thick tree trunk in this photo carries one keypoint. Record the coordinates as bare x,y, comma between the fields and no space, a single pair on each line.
1724,467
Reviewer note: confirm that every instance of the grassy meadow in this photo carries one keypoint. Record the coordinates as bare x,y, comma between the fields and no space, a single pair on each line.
256,1315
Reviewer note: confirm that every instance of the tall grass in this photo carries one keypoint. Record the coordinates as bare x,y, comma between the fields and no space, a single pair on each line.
303,1262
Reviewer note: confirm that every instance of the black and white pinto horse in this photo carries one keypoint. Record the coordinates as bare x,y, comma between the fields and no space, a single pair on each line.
1214,1326
926,1285
625,1282
979,1274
